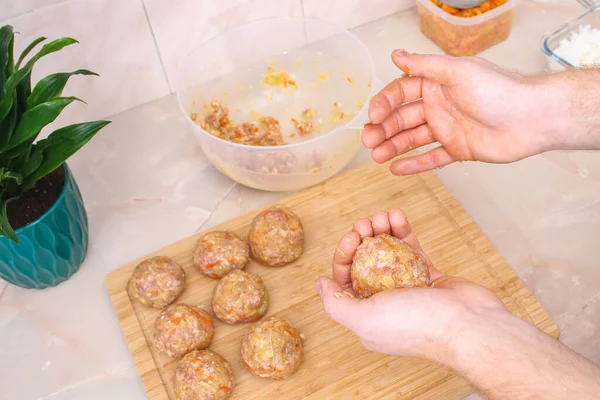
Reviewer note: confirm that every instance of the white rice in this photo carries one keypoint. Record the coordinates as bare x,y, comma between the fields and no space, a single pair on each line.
581,48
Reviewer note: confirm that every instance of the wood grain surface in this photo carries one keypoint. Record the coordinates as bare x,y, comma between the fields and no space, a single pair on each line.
334,365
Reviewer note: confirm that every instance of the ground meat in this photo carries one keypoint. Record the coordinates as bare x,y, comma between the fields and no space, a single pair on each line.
156,282
276,237
276,162
181,328
265,132
385,262
203,375
240,297
216,119
219,253
306,124
272,349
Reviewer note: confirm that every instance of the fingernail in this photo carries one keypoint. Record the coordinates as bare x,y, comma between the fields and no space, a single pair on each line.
368,124
400,53
318,286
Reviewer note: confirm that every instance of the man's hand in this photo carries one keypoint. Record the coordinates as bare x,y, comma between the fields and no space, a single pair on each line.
477,111
457,323
417,322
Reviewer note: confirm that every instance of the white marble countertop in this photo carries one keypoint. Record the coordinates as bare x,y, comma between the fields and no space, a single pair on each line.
147,184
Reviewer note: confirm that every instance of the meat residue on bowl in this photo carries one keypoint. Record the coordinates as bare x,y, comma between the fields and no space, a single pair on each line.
263,131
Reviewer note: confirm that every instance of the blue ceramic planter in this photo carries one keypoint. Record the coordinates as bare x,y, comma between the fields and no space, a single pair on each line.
52,248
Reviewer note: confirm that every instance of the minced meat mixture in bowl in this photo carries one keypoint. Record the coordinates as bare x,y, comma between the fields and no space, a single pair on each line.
288,116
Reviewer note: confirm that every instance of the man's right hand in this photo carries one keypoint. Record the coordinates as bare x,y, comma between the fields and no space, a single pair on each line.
475,110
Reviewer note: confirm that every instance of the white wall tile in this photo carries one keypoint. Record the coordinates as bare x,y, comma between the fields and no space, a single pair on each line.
181,25
115,42
13,8
351,13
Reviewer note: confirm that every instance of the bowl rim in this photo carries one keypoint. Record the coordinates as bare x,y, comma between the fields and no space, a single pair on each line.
348,125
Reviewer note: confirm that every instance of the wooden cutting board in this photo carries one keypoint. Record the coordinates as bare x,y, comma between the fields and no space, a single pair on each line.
335,366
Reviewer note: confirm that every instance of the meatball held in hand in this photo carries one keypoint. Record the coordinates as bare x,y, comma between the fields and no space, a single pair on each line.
219,253
240,297
272,349
203,375
276,237
156,282
385,262
180,328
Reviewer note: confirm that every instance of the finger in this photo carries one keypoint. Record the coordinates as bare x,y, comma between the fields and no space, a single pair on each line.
450,282
406,117
363,227
427,161
396,93
342,259
434,273
403,143
441,69
381,223
401,229
341,308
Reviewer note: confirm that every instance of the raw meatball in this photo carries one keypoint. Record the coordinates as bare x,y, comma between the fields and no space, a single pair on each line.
156,282
240,297
276,237
219,253
272,349
180,328
385,262
203,375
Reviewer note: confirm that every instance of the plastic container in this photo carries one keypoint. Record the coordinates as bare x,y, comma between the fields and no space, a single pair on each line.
459,36
551,41
329,64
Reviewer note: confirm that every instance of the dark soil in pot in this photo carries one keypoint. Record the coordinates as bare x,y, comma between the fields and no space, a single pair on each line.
35,202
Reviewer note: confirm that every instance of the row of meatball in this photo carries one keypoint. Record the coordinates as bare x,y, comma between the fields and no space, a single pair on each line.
270,349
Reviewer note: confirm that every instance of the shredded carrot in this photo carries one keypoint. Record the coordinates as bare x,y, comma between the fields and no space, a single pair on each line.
215,264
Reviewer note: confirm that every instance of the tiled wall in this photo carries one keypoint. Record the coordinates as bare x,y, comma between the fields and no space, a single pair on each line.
137,45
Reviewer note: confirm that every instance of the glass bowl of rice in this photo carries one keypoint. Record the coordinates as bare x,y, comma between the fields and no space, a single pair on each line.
576,44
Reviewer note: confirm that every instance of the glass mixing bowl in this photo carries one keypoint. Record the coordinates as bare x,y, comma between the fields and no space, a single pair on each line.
332,74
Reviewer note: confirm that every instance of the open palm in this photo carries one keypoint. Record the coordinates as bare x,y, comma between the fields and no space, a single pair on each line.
402,321
475,110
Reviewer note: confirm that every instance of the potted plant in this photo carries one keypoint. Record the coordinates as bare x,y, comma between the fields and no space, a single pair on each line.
43,224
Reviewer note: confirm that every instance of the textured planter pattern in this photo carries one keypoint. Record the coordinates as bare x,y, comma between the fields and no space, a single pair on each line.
52,248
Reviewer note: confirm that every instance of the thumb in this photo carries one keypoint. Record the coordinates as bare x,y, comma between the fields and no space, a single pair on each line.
437,68
339,305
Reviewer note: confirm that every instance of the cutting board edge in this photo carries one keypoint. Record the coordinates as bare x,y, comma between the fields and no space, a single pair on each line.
140,354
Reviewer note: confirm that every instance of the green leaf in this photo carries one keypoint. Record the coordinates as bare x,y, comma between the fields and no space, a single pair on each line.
34,162
52,86
60,145
6,37
5,228
6,101
14,153
9,179
28,50
6,175
34,120
7,127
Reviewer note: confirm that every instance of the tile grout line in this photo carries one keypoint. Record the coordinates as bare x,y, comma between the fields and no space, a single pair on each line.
160,59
